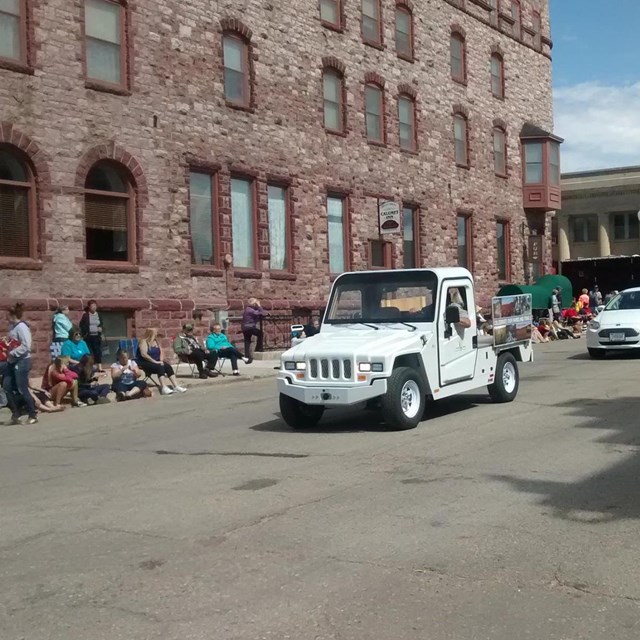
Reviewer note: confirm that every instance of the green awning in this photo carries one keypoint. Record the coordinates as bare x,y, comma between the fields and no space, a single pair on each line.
541,290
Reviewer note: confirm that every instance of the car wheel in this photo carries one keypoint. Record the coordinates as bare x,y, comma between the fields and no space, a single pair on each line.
299,415
507,379
403,404
597,354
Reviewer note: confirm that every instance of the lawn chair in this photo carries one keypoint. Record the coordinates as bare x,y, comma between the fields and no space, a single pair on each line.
183,358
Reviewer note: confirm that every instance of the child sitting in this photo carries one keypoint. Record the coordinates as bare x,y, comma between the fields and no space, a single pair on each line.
59,381
88,388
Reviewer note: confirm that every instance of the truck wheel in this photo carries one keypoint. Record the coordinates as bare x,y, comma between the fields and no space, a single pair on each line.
299,415
597,354
403,404
507,379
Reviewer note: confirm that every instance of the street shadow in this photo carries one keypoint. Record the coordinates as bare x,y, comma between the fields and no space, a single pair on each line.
608,494
615,355
359,419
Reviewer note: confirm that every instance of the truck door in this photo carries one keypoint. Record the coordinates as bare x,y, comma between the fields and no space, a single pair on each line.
457,343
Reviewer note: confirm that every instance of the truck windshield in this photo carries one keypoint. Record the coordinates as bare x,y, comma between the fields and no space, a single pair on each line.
384,297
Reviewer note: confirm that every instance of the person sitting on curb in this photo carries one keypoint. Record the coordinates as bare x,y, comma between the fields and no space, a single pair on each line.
219,345
59,380
88,388
125,374
74,349
187,346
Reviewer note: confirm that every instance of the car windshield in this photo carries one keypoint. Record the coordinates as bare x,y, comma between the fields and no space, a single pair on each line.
624,301
384,297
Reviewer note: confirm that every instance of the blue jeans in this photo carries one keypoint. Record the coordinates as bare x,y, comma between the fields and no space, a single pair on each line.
16,381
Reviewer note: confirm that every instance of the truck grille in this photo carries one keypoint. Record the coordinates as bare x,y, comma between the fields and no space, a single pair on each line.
334,369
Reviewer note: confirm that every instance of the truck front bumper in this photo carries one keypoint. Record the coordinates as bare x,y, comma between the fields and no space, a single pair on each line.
331,396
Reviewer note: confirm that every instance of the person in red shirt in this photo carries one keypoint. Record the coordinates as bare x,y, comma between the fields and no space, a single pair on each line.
59,380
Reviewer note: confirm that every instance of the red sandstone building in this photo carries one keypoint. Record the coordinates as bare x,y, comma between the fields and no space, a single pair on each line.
165,157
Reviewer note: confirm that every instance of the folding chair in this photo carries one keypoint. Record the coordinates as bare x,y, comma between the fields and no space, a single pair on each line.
184,359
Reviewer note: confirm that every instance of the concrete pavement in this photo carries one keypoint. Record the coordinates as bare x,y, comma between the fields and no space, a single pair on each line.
202,516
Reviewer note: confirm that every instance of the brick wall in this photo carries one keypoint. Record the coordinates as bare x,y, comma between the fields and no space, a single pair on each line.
176,116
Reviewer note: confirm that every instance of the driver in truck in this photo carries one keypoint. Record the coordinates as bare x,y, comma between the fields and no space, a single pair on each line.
457,301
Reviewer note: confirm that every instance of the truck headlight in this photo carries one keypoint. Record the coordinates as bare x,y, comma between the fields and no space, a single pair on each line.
301,366
377,367
368,367
290,366
364,367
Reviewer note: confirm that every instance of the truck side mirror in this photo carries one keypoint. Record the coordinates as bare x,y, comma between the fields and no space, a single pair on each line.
452,314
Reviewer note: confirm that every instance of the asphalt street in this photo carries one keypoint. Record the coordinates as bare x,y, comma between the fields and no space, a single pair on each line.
204,517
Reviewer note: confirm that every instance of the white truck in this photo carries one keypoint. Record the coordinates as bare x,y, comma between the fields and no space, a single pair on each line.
397,339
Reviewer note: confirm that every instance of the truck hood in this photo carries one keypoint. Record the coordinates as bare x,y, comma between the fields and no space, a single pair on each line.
358,342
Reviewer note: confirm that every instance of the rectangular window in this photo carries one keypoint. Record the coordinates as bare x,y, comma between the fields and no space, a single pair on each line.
585,228
374,105
242,223
236,70
458,72
330,12
410,239
516,16
537,29
460,137
201,216
625,226
332,90
500,152
278,228
464,242
336,231
404,33
380,254
371,23
493,15
502,233
533,152
116,326
12,34
407,118
497,76
104,30
554,164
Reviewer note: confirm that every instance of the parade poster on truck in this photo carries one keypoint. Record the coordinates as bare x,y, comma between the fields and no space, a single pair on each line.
512,319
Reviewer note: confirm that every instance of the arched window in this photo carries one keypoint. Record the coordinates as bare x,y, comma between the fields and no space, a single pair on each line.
497,75
407,119
458,57
237,76
461,138
374,112
333,95
109,212
404,33
500,151
17,206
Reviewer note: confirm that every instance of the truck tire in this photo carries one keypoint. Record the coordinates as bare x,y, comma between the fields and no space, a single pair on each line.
299,415
507,379
597,354
403,404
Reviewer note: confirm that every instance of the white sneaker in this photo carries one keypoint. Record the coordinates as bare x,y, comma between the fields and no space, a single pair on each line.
80,404
245,360
166,391
180,389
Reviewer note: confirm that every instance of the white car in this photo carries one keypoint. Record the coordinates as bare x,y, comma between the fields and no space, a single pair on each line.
617,326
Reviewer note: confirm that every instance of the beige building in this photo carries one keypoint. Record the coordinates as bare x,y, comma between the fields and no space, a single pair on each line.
599,216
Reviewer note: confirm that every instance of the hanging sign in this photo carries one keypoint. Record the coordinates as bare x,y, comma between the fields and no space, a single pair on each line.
389,217
535,249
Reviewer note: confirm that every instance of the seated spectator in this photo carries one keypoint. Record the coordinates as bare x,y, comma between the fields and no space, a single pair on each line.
59,380
151,361
562,333
187,346
44,401
125,375
537,337
218,344
88,388
73,349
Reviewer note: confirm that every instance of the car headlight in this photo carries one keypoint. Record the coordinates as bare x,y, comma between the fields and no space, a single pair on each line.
594,324
290,366
301,366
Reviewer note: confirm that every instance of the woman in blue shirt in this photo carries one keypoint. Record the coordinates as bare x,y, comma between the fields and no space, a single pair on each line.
74,348
219,344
